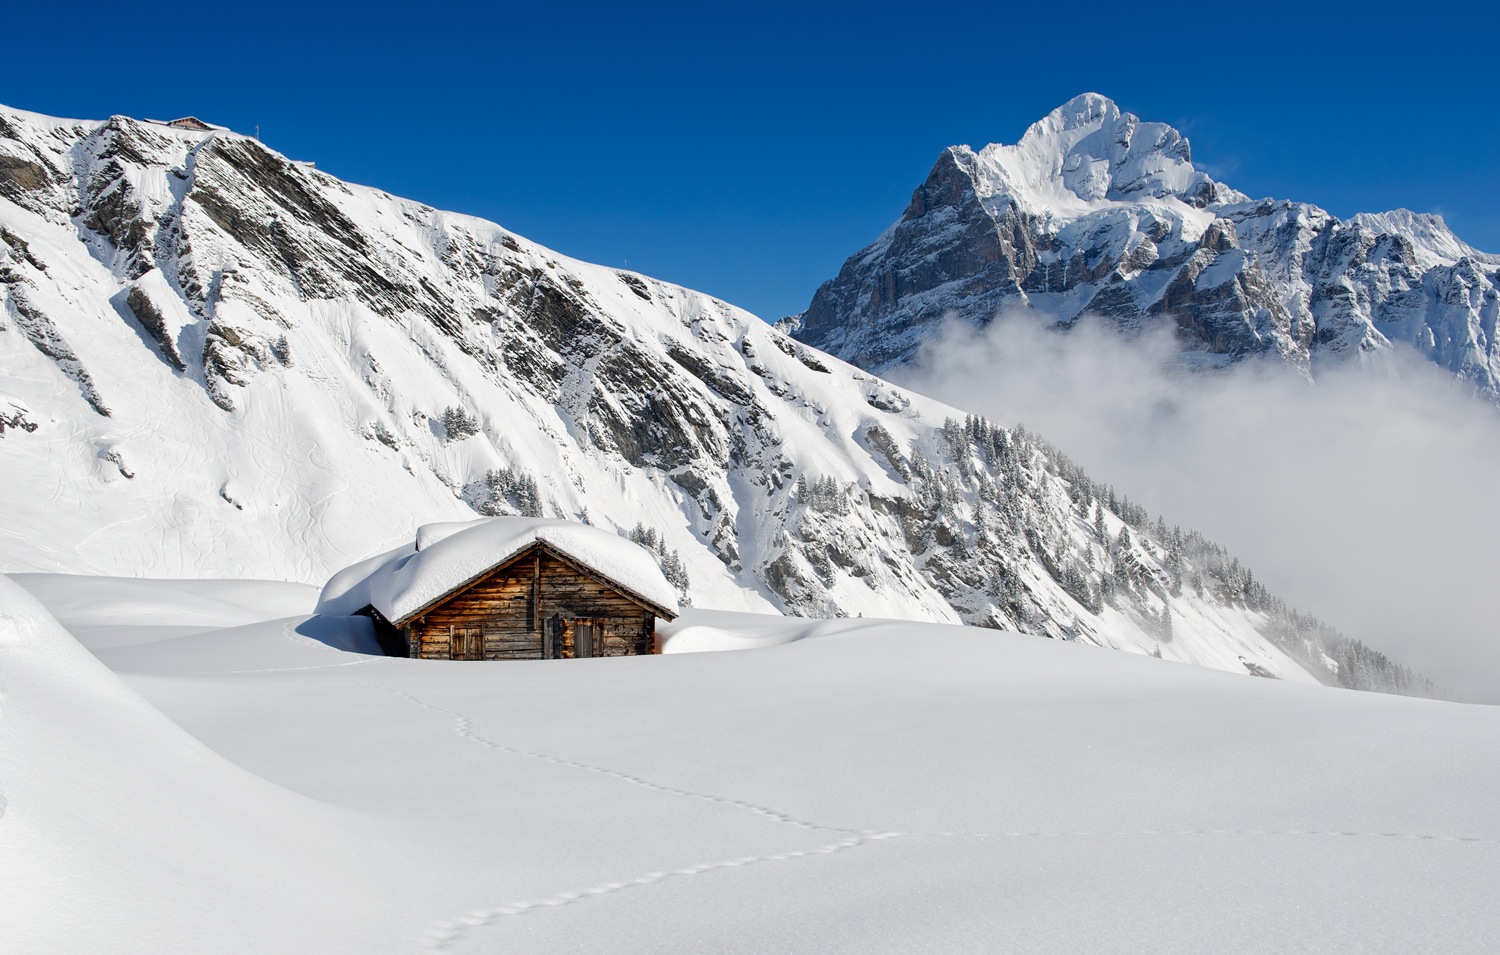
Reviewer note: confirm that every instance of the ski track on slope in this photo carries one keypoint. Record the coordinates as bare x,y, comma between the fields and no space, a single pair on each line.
441,935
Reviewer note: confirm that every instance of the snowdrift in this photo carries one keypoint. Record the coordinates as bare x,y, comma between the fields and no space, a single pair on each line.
121,832
831,786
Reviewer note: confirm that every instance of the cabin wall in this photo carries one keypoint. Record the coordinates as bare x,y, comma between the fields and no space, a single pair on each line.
628,628
505,615
500,606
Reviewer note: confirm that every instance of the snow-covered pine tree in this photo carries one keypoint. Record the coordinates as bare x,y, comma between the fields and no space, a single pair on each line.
508,491
458,423
670,561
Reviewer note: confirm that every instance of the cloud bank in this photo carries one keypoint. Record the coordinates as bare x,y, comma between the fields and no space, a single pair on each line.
1364,498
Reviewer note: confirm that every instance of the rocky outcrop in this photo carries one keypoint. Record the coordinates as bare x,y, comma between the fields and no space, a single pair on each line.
947,251
48,339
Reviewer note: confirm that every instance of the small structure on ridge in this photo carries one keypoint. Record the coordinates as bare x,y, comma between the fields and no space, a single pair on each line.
508,588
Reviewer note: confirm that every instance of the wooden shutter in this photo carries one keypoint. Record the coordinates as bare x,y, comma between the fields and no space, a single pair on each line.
465,643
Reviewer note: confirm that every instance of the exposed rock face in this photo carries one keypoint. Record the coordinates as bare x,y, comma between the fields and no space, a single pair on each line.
177,273
1096,212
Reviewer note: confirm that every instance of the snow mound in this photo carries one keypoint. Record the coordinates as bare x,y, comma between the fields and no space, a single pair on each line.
700,631
987,774
82,601
121,832
449,554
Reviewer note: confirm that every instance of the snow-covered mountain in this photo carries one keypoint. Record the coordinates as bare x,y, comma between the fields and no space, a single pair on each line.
218,361
1095,211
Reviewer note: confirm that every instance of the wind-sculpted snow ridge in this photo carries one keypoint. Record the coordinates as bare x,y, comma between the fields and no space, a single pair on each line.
224,362
1095,211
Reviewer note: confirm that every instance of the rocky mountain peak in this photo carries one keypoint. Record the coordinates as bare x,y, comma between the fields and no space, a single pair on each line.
1088,112
1433,241
1094,211
1088,152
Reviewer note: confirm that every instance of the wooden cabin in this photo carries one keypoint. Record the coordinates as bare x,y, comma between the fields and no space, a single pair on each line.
538,605
510,589
191,122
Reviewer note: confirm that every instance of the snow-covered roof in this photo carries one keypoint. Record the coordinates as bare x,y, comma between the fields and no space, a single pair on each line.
190,123
445,557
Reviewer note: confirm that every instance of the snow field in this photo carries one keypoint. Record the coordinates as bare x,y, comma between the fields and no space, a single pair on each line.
847,786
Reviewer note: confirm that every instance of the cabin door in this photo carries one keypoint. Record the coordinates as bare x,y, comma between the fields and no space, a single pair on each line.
552,638
587,638
465,643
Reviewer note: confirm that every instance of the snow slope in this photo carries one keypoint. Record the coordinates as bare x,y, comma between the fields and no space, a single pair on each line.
91,607
1095,211
121,832
850,786
218,362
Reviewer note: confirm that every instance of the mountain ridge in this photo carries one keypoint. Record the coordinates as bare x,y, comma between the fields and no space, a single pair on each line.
1094,211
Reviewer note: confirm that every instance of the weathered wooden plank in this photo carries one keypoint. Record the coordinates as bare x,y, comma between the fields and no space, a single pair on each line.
483,600
509,616
487,595
536,589
490,595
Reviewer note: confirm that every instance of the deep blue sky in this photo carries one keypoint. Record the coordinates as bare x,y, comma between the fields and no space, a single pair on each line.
747,151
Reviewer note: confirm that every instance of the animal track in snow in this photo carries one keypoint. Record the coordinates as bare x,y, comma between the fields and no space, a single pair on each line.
464,727
1419,837
443,934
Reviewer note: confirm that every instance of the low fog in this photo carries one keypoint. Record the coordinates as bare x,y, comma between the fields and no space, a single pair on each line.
1363,499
